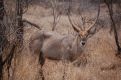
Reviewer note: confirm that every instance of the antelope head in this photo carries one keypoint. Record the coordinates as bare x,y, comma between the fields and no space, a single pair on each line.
83,32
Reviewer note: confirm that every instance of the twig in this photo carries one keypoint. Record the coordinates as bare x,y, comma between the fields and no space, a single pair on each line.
33,24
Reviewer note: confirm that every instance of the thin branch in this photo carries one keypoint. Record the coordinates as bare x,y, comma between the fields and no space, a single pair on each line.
33,24
55,13
113,25
10,55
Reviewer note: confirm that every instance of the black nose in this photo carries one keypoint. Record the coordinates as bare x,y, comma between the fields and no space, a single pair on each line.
83,43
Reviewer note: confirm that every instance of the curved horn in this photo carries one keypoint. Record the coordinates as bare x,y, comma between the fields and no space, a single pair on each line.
77,29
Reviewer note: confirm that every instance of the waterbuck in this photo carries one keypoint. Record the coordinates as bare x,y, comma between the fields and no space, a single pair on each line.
55,46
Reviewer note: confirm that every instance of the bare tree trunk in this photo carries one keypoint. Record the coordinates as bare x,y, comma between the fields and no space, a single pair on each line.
7,57
109,4
1,35
19,14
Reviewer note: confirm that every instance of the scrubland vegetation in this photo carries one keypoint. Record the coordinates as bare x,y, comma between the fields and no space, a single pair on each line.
99,24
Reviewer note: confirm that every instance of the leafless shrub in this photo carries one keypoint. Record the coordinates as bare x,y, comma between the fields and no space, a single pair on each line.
55,12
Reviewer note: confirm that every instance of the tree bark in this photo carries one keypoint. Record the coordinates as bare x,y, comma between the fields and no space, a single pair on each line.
19,14
1,35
